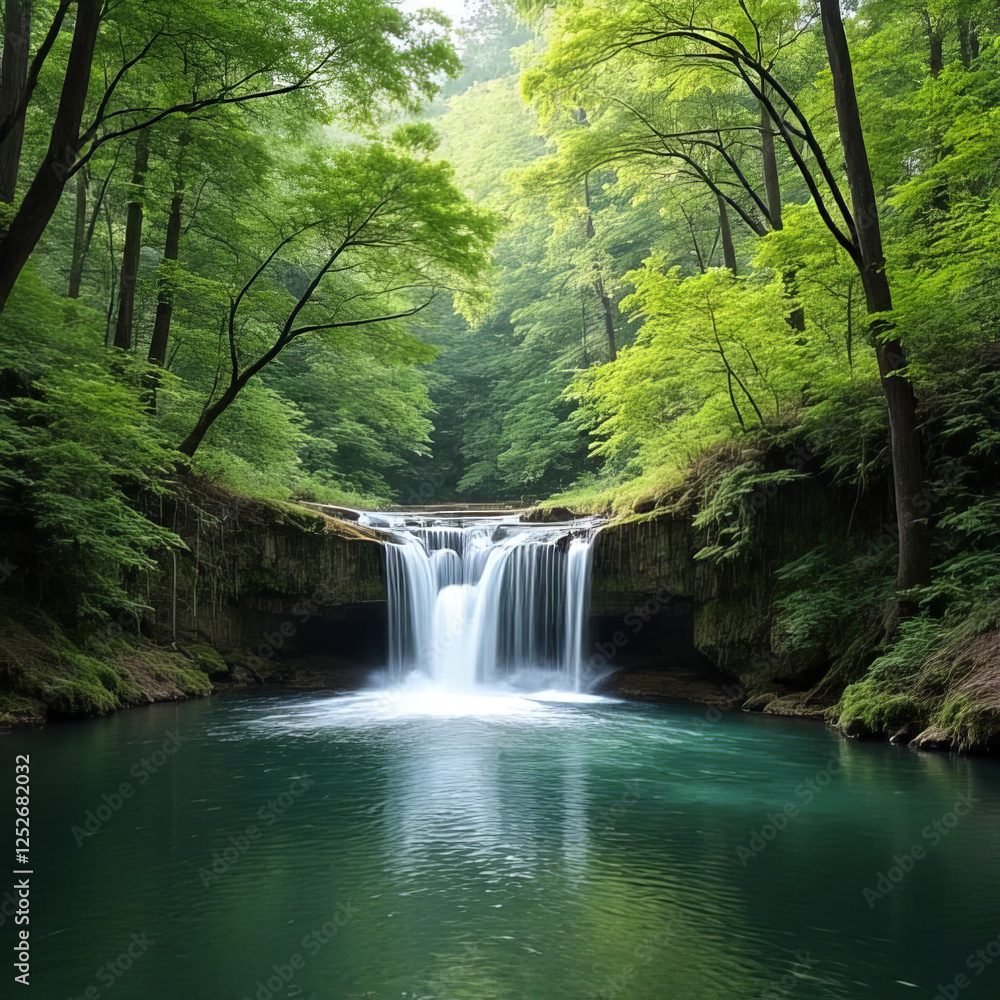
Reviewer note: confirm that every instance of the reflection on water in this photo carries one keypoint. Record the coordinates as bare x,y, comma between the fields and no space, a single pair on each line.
462,847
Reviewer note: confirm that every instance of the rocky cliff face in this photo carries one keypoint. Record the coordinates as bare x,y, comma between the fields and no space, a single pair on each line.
683,611
280,593
262,583
269,585
255,590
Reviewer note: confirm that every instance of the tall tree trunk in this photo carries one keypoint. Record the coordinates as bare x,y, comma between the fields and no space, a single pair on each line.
797,317
171,252
79,234
165,292
969,41
769,159
728,249
14,72
81,246
937,54
964,42
133,246
609,321
699,256
113,261
935,40
46,188
907,465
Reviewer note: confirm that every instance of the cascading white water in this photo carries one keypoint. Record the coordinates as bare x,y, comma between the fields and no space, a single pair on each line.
477,601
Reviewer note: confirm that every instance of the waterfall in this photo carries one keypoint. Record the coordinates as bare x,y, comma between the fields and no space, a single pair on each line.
483,600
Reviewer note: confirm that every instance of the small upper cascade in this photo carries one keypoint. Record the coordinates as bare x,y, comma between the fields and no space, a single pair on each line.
478,600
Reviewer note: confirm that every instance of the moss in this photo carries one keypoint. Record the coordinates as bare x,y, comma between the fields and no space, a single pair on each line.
959,721
17,708
939,682
177,671
86,685
968,724
44,671
207,658
78,696
876,707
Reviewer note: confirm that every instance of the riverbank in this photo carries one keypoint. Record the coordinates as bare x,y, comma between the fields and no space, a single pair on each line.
785,567
249,587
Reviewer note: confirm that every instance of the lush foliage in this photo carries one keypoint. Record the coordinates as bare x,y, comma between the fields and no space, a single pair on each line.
231,279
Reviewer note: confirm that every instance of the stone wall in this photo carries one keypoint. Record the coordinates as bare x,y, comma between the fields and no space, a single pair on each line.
260,581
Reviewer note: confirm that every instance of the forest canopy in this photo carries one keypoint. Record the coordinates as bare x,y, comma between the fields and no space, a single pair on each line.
351,253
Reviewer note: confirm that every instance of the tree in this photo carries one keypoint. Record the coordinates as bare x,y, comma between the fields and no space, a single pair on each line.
13,79
208,165
914,566
380,226
245,51
43,194
712,356
681,37
83,229
133,244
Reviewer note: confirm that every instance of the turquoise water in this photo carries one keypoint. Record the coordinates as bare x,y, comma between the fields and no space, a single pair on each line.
413,846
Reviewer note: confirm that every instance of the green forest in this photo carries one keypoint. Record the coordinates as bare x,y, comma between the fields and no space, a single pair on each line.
620,258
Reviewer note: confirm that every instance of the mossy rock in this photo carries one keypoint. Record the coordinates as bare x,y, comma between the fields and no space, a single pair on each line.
871,707
46,671
208,658
168,675
964,723
547,515
18,708
758,702
78,696
798,705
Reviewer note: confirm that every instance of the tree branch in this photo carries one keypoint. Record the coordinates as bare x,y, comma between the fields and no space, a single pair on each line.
362,322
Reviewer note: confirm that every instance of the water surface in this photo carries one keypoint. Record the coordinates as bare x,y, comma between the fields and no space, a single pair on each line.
414,845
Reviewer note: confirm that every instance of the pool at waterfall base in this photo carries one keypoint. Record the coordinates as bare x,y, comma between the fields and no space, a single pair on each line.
410,842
